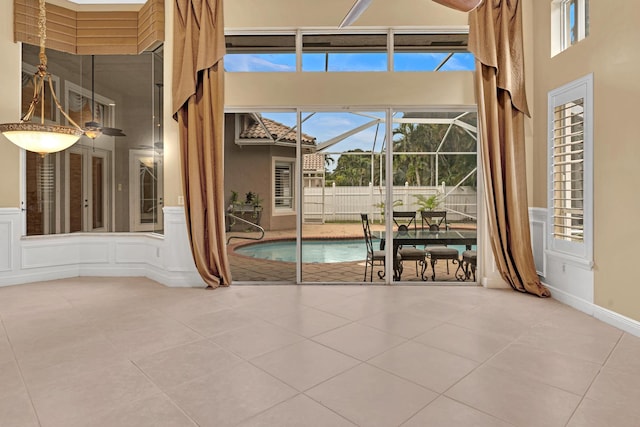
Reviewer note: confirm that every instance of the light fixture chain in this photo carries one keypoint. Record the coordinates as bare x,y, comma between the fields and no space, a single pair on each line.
42,30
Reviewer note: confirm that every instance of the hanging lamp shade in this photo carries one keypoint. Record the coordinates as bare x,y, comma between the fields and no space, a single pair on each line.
42,137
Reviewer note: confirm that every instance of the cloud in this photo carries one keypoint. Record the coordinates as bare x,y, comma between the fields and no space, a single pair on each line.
258,63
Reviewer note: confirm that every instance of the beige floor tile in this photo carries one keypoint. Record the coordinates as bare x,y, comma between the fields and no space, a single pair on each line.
444,412
309,322
81,397
617,389
368,396
474,345
16,411
432,368
406,325
359,341
515,399
594,413
438,310
209,324
256,339
187,307
626,355
10,379
170,368
50,337
6,353
545,365
573,320
296,412
231,396
493,322
55,364
586,347
35,302
147,340
355,307
270,308
153,411
314,296
304,364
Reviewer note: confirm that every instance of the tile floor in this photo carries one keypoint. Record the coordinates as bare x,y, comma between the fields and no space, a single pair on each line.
131,352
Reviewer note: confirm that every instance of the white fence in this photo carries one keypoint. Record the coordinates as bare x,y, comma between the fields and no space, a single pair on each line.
346,203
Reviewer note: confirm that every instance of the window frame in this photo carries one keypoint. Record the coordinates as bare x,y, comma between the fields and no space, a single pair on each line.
291,164
561,29
580,252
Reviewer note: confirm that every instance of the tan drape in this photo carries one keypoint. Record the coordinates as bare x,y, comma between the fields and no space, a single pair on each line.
198,105
495,37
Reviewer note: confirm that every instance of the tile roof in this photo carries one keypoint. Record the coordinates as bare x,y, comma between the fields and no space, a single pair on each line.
313,162
278,131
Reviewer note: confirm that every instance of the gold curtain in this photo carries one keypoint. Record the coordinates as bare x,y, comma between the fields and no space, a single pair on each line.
198,105
495,38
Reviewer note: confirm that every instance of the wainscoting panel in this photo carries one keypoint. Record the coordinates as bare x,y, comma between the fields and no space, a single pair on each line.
538,225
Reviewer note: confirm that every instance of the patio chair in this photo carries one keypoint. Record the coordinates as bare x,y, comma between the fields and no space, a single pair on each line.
373,257
434,220
404,220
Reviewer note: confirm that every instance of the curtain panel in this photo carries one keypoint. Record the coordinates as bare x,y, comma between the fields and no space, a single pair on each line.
495,38
198,106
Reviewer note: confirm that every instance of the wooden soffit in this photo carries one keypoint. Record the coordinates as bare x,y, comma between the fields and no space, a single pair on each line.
92,33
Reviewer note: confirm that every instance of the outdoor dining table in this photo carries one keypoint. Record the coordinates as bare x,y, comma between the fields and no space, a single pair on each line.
403,237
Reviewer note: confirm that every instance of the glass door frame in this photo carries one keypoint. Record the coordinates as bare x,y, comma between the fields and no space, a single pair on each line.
88,153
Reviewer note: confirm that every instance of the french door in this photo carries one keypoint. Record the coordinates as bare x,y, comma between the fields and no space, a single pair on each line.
87,193
145,191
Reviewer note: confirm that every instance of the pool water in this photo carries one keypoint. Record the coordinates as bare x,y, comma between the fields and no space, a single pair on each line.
320,251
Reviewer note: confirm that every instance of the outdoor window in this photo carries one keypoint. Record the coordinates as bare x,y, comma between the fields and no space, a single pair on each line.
432,52
570,23
570,169
344,52
260,53
283,185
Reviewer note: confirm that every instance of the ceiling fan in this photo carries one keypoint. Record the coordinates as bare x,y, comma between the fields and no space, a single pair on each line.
361,5
93,129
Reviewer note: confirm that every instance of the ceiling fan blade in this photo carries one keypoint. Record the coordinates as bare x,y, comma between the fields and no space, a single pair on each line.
113,132
354,13
92,125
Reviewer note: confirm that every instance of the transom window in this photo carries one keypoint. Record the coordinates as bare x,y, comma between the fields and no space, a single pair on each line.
373,51
570,23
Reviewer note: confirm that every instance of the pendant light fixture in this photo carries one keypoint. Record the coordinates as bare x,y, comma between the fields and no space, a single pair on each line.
42,137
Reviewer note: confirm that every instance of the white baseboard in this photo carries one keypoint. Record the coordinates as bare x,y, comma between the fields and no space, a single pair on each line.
607,316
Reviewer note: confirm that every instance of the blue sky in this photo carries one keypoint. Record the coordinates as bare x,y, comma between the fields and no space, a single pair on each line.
338,62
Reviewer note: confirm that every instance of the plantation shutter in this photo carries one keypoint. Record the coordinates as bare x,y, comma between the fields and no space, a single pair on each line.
283,185
568,171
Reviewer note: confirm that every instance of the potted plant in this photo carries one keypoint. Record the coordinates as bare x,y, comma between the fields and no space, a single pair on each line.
428,203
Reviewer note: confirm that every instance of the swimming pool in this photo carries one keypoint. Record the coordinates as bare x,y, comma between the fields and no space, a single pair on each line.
320,251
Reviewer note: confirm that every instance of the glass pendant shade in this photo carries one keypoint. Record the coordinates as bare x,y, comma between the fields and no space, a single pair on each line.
41,138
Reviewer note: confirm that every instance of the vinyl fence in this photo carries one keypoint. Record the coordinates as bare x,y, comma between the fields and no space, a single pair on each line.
346,203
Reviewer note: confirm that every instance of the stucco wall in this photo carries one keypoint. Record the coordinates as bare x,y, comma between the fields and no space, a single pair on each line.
610,52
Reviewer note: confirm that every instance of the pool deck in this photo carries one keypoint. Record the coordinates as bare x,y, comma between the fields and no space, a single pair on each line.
247,269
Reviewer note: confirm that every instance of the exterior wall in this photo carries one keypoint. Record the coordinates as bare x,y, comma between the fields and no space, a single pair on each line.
609,52
248,168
